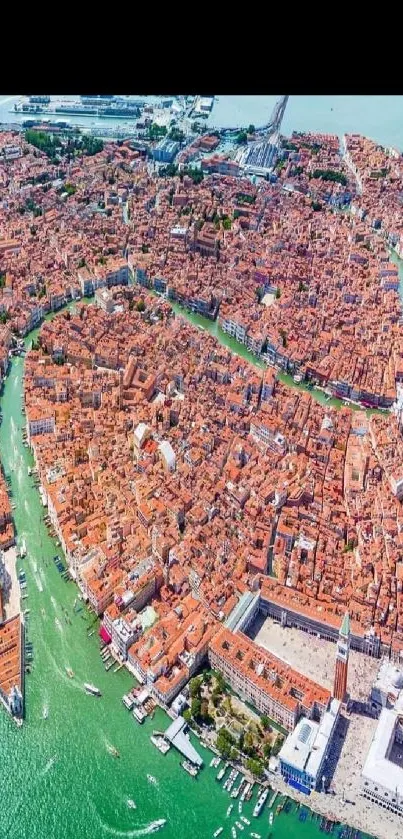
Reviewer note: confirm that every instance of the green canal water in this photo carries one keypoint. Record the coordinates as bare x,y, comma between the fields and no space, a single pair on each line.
57,778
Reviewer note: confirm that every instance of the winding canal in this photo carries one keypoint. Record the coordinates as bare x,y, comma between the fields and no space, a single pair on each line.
57,778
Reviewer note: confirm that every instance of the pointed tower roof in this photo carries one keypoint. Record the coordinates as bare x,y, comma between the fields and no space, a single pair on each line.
345,627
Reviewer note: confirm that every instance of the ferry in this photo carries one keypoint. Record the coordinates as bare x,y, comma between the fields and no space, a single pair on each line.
139,713
113,751
229,811
132,804
69,672
160,743
190,768
218,831
91,689
271,817
260,803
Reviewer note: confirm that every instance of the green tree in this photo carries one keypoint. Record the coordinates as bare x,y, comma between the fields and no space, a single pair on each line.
140,306
278,744
265,722
267,750
278,293
194,687
242,138
251,129
255,767
187,715
195,707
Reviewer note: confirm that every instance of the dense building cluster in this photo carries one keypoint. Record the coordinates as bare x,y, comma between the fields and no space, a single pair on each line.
178,476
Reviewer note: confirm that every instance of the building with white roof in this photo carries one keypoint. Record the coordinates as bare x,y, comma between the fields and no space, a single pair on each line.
388,686
168,456
382,774
303,755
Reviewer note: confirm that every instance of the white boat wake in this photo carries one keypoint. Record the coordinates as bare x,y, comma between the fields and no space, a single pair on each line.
49,765
140,831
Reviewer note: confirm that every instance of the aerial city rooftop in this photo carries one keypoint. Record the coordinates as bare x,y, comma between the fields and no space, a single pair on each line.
179,475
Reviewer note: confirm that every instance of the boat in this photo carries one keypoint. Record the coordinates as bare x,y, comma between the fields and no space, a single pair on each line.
271,817
260,802
139,713
222,772
229,811
160,743
45,712
190,768
151,779
256,835
240,826
69,672
218,831
245,820
113,751
131,804
156,825
91,689
233,831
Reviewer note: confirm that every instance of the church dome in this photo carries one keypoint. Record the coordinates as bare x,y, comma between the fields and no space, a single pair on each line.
397,679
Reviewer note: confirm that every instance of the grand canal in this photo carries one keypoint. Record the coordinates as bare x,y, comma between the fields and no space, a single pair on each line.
57,777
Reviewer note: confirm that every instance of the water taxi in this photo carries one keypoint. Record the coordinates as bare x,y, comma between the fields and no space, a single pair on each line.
260,803
218,831
91,689
69,672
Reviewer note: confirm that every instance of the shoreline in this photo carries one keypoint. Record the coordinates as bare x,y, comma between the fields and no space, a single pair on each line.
273,781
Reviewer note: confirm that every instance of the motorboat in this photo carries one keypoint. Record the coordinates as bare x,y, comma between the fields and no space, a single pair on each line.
131,804
113,751
271,817
151,779
91,689
45,712
218,831
69,672
156,825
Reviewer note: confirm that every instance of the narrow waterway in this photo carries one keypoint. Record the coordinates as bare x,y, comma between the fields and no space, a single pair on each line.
56,775
214,329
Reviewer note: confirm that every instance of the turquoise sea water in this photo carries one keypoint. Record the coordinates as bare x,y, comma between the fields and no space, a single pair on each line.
378,117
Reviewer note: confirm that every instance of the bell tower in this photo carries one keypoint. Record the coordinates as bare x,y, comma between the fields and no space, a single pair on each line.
343,649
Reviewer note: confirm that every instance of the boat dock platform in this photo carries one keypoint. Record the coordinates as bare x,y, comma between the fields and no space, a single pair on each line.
176,735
